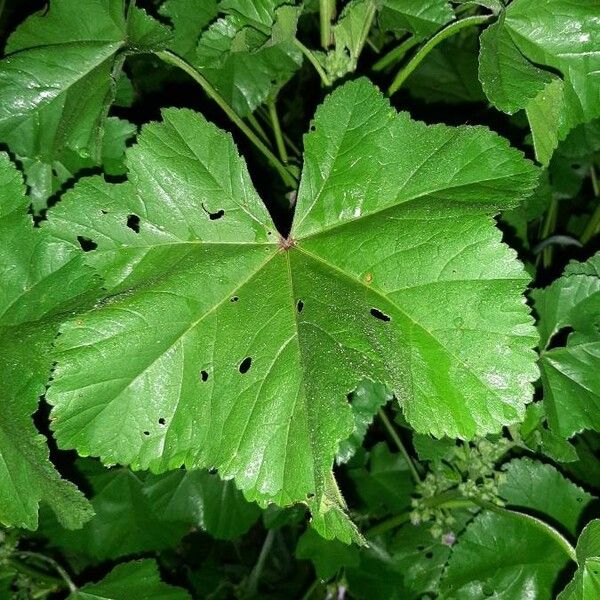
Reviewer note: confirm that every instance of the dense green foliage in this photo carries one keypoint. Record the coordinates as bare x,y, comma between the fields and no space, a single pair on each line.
300,299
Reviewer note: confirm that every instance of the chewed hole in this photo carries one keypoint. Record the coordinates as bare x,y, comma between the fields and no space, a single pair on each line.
86,244
213,470
379,315
300,306
213,216
204,375
245,365
310,496
133,222
162,421
429,555
146,433
234,298
103,211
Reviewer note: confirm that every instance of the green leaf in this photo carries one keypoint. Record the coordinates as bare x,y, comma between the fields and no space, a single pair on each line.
502,556
385,483
38,284
571,374
586,582
422,19
59,79
202,499
126,520
189,18
240,59
366,400
328,557
541,488
520,54
233,363
136,579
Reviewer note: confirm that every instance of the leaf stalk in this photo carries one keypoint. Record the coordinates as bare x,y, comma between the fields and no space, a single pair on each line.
173,59
439,37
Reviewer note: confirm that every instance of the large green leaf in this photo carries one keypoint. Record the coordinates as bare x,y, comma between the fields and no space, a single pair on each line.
534,486
136,579
503,557
59,79
571,373
227,326
586,582
520,55
38,283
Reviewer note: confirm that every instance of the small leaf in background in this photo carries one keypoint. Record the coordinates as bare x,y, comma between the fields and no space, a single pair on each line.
571,372
136,579
521,54
422,19
366,401
328,557
532,485
586,582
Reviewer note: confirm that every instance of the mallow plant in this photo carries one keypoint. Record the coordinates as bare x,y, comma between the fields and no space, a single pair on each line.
300,299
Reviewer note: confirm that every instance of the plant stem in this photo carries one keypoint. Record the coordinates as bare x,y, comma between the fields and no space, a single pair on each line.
172,59
396,54
258,128
326,14
277,131
314,61
256,573
440,36
394,435
42,557
446,500
311,590
558,537
547,228
593,225
263,113
365,29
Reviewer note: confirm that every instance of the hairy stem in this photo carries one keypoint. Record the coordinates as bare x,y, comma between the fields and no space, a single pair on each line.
440,36
326,15
396,54
394,435
173,59
314,61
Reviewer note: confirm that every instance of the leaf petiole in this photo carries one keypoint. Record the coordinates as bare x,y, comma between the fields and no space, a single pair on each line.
439,37
171,58
394,435
314,61
277,131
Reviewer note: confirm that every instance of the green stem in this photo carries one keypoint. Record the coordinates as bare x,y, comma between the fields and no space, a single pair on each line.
440,36
448,500
365,29
326,15
311,590
176,61
558,537
263,113
35,574
258,128
256,574
394,435
396,54
42,557
277,131
547,228
593,225
314,61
